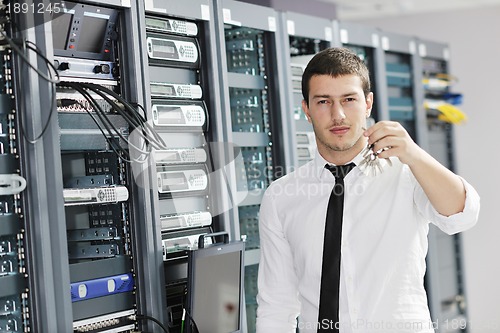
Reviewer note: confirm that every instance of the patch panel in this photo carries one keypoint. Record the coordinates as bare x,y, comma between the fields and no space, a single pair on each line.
121,321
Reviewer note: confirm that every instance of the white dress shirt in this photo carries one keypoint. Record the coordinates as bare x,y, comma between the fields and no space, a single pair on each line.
384,244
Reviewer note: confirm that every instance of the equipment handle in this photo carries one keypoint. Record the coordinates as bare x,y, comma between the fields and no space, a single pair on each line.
201,239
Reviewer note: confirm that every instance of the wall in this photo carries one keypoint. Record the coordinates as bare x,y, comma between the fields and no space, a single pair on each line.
314,8
473,36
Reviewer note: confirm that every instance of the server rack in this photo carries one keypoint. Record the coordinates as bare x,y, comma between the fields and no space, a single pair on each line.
445,277
404,89
180,73
81,204
95,118
40,162
303,37
254,120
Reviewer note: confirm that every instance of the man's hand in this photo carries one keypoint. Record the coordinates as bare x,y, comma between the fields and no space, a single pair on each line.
444,189
390,138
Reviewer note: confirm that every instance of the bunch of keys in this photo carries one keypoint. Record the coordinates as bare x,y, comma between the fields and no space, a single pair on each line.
370,164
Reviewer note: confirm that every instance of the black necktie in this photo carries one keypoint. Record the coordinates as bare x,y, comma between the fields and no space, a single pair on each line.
330,274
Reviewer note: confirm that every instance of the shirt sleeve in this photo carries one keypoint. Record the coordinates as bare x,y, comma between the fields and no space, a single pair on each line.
454,223
277,298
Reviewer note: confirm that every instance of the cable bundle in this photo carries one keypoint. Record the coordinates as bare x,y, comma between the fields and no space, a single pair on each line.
119,106
447,112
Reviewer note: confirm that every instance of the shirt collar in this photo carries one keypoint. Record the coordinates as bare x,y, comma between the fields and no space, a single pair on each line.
319,163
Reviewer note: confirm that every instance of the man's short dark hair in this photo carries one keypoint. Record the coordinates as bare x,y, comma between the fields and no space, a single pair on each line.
335,61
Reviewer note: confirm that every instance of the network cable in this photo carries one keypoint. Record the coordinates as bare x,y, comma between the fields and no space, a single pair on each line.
447,112
129,111
49,78
155,139
104,122
146,317
23,56
191,320
126,110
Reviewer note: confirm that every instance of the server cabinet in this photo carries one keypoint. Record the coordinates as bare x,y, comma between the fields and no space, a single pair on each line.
96,116
180,76
404,90
78,208
303,37
445,278
254,112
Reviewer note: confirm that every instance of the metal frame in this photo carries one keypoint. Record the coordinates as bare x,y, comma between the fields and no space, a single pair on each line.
44,205
150,277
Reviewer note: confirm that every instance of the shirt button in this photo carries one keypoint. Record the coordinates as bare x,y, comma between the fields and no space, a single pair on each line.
349,279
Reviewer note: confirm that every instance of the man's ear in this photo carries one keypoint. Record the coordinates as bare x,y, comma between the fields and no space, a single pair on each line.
369,104
305,108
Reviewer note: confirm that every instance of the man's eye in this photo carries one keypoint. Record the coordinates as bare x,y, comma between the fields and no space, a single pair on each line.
323,101
350,99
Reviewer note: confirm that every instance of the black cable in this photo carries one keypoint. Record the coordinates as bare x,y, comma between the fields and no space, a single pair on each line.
130,120
207,118
97,109
49,118
159,140
139,106
106,122
32,46
126,117
119,98
143,120
21,54
110,142
146,317
95,106
192,322
49,78
47,123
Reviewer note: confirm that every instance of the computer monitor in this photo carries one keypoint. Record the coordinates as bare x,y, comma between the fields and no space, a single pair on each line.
85,31
215,288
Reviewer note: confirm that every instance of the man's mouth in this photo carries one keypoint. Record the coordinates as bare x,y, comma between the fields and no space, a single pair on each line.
339,130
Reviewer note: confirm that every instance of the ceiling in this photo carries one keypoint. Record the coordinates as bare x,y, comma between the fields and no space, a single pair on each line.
372,9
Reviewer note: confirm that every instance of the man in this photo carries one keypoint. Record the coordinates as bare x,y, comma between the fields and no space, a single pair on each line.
384,225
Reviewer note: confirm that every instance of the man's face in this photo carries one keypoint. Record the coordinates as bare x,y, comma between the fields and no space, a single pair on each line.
338,110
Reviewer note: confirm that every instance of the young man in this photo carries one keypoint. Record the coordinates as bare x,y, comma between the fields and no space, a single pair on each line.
383,230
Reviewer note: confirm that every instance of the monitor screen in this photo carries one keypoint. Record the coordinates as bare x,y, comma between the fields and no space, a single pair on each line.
60,30
85,31
92,33
215,288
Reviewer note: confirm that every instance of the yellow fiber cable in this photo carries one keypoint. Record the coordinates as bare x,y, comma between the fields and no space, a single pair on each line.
448,112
